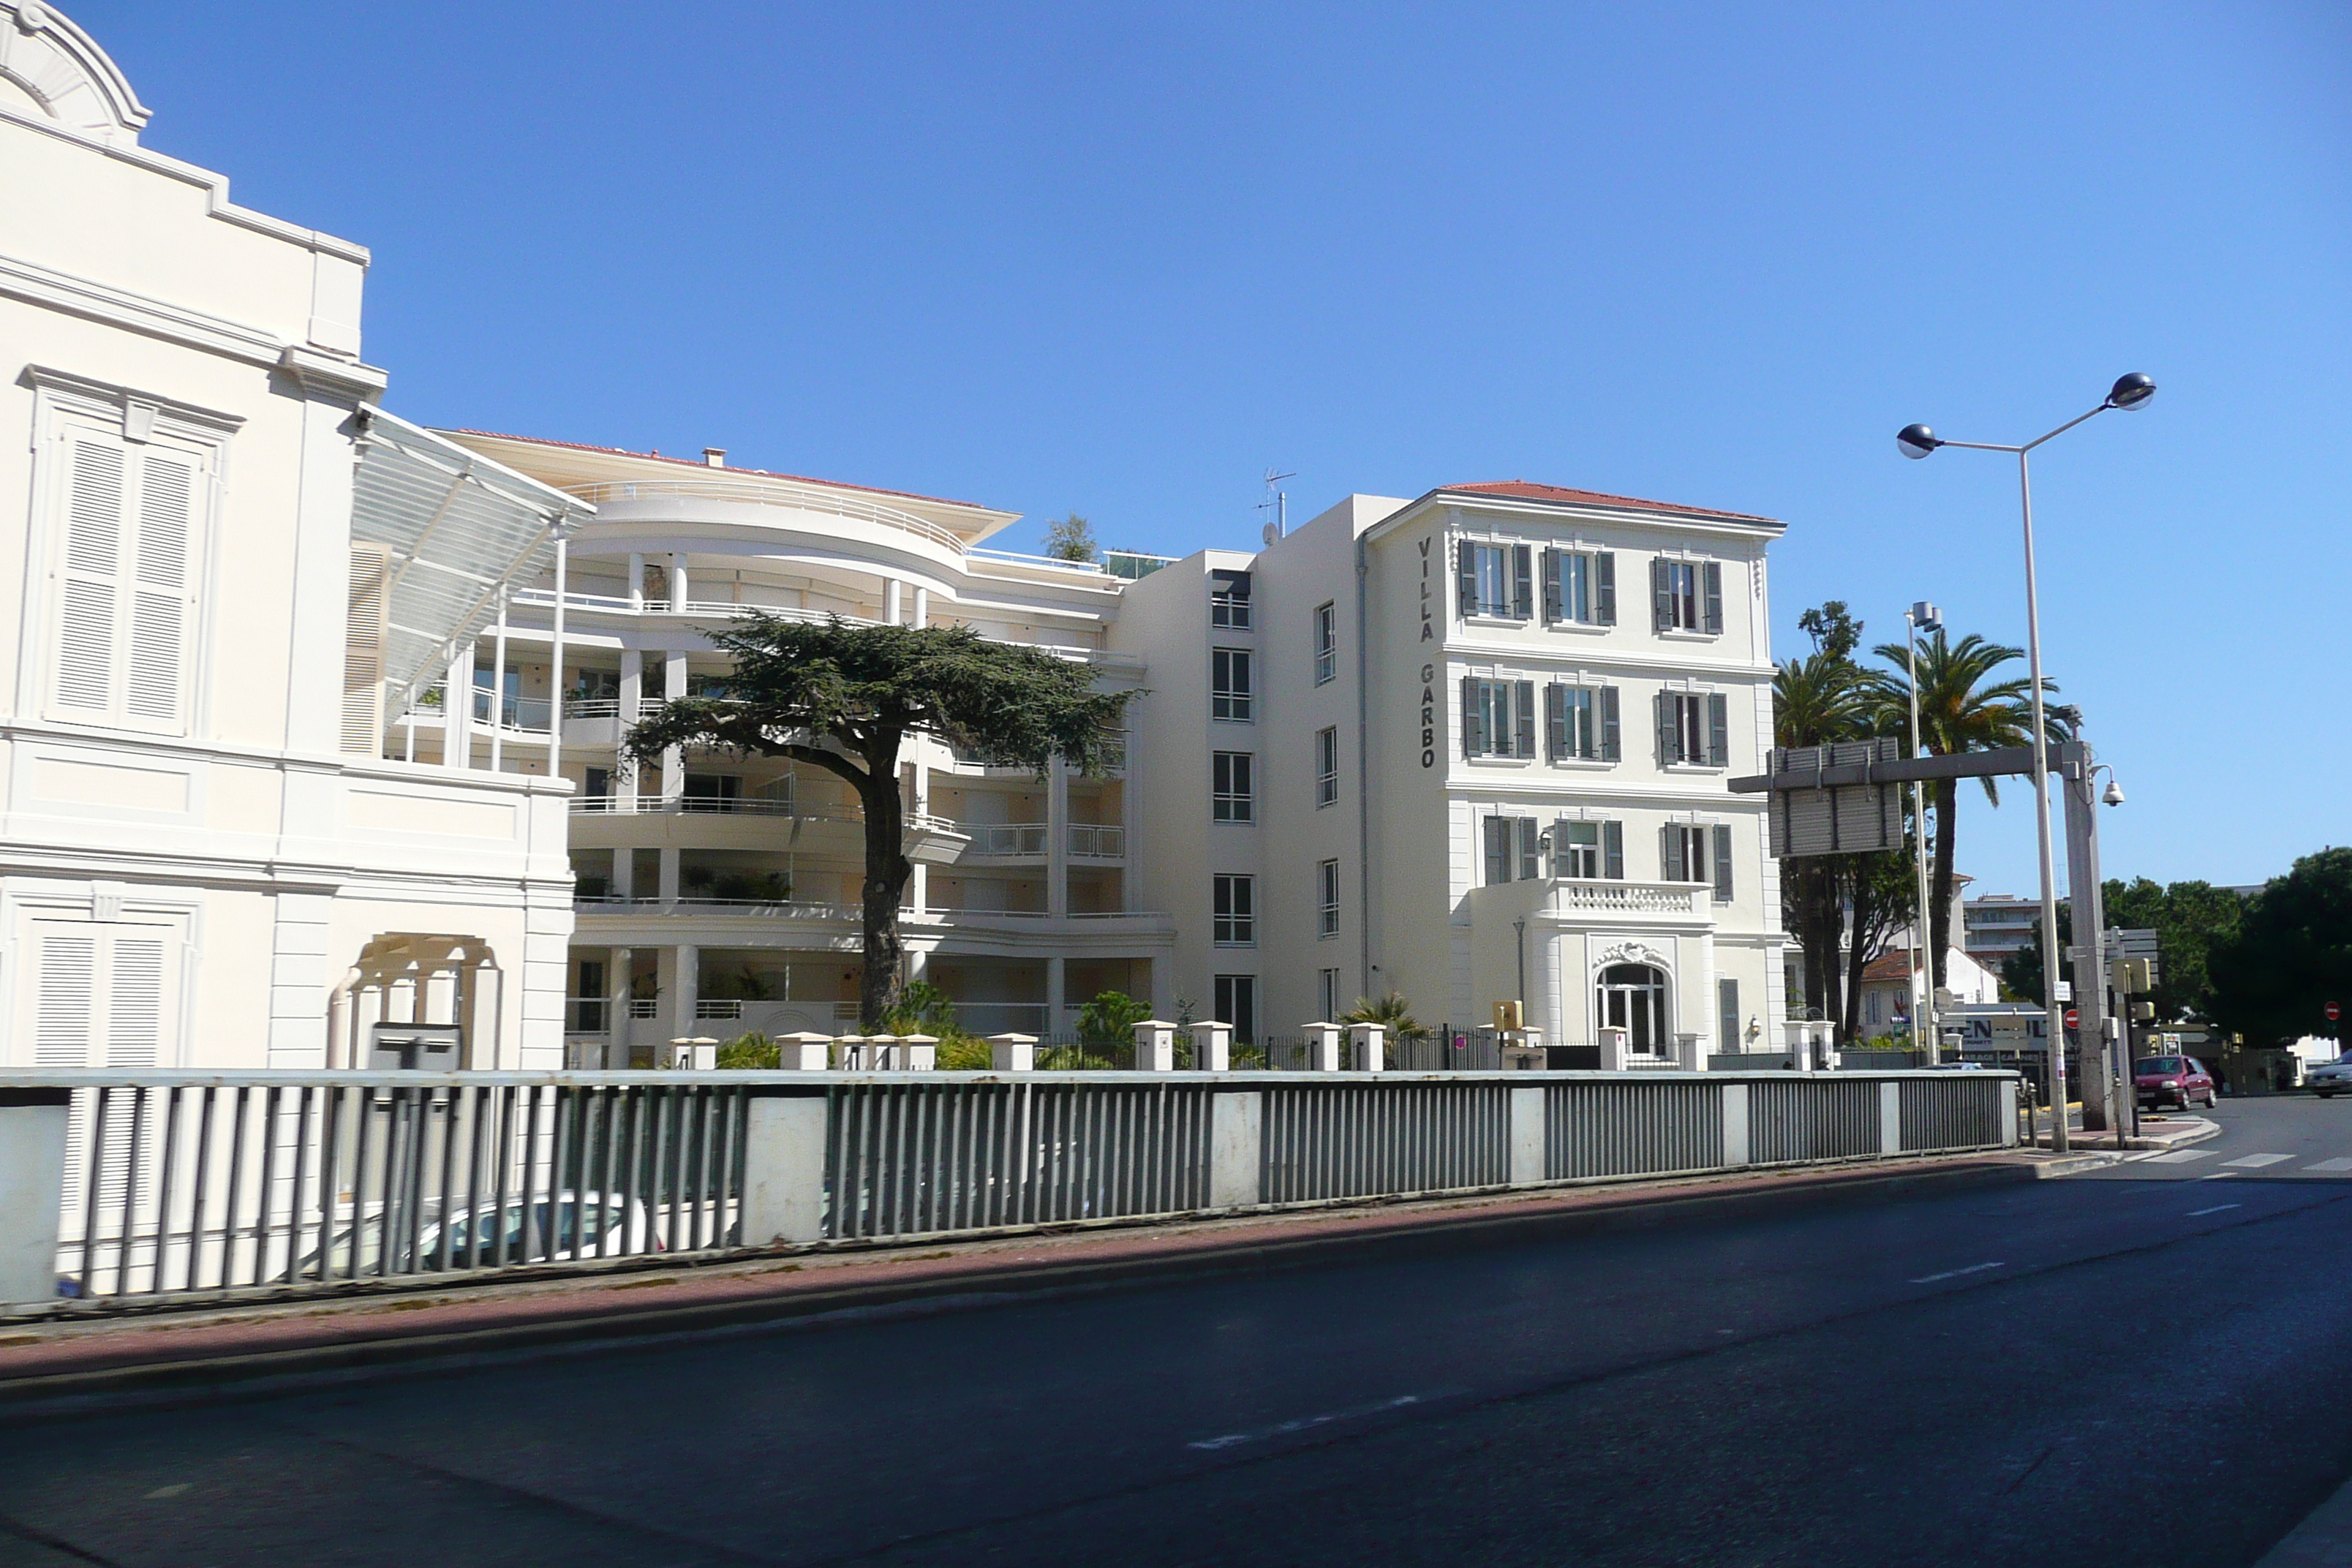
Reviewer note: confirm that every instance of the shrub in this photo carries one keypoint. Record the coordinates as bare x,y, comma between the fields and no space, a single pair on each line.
1110,1019
753,1052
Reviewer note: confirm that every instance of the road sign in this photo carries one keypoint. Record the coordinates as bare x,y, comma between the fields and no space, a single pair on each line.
2073,1019
1840,819
2333,1012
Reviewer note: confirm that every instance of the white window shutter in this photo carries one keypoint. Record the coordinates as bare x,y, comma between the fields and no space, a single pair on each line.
162,607
364,633
90,586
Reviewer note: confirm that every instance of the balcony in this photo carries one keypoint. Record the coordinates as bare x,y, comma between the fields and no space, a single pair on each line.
1029,840
746,822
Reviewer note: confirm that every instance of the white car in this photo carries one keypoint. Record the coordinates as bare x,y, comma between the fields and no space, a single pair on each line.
547,1238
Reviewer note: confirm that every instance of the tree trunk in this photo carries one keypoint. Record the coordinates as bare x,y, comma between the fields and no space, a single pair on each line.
1831,913
1939,917
1857,879
886,872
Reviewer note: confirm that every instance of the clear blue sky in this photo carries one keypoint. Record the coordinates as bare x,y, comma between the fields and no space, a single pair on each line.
1120,259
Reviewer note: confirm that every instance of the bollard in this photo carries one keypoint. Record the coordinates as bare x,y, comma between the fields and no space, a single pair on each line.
1155,1046
1212,1047
1368,1050
1322,1048
1012,1053
805,1052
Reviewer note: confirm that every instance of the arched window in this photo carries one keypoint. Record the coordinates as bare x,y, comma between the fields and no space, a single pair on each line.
1633,998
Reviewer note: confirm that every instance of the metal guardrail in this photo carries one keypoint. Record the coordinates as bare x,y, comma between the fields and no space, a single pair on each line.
188,1186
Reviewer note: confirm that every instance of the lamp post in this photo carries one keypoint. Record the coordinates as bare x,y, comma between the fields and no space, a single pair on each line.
1922,617
2129,391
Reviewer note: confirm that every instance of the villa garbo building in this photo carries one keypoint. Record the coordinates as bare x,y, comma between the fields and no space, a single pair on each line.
313,715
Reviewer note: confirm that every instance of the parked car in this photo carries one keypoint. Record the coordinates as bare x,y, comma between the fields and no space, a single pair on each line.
2330,1078
2172,1080
603,1234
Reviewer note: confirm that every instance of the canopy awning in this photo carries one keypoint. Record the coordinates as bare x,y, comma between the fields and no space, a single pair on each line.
455,528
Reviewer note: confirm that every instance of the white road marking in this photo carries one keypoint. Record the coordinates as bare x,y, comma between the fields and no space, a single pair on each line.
1956,1273
2335,1164
2181,1156
2217,1208
1304,1423
169,1491
2256,1162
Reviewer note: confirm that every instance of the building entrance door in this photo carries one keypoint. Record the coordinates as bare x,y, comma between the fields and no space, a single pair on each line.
1633,997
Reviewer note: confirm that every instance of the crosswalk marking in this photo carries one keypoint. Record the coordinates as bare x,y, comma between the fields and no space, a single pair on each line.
2256,1162
2335,1164
2180,1156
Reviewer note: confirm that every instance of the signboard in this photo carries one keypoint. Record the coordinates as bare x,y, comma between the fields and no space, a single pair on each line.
409,1048
2333,1012
1843,819
2073,1019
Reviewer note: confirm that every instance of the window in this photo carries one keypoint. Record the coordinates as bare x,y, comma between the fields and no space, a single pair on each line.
1682,856
1326,767
1234,910
125,569
1495,580
1721,834
104,994
1229,600
1727,1016
1587,850
1687,596
1498,718
1514,849
1229,684
1327,642
1327,994
1233,791
1580,586
1633,997
1694,728
1580,722
712,792
1236,1005
1327,901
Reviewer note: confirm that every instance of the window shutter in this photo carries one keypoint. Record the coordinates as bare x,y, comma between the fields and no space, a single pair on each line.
1718,729
1522,587
1613,850
1727,1021
1611,748
1531,850
90,586
1670,853
1722,862
1604,587
1667,738
1473,719
1715,597
1555,721
161,606
1523,718
1498,850
1465,571
362,649
1554,604
1662,596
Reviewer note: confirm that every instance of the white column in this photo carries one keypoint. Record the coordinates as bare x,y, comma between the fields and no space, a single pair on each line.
673,685
894,599
689,987
637,579
633,688
920,889
1057,839
498,689
616,1007
555,661
457,711
922,607
666,878
1055,978
677,595
625,872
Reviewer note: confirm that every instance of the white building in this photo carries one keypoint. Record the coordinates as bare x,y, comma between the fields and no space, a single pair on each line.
226,561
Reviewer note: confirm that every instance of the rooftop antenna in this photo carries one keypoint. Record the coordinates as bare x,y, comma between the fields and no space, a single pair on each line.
1278,501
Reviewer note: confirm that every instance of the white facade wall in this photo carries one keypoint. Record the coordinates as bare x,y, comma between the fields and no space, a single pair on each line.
189,867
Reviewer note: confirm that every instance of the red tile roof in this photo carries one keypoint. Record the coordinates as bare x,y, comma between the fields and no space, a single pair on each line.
1893,966
1528,489
698,463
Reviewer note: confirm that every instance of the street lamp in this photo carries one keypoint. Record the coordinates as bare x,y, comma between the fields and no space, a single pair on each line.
1922,617
2129,393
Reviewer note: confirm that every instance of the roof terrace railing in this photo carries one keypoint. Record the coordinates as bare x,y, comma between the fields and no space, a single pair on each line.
770,493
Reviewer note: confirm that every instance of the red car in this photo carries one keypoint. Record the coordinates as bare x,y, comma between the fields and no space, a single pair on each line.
2172,1080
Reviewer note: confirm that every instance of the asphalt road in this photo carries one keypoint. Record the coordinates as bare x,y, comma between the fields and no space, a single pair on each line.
2145,1366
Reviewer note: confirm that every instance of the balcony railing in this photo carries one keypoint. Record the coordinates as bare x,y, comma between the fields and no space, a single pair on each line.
770,493
1098,841
1605,897
1004,837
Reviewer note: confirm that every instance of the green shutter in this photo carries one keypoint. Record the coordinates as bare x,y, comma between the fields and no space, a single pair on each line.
1522,586
1722,846
1604,573
1662,596
1718,730
1555,721
1611,748
1465,569
1523,718
1670,854
1531,850
1554,608
1473,719
1715,596
1669,737
1613,850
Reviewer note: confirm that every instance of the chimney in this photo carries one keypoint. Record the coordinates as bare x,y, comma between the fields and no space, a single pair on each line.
715,456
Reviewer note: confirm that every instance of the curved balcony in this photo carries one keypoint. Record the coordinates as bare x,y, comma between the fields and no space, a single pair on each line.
702,822
1031,840
769,492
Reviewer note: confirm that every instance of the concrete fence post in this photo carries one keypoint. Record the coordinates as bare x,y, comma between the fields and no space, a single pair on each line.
1613,1049
1368,1048
1688,1056
1212,1046
32,1193
1236,1149
1012,1053
1155,1046
1735,1125
805,1052
1526,1136
1890,1117
918,1053
1322,1048
783,1168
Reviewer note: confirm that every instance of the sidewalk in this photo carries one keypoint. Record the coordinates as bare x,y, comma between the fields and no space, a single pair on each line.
2157,1132
200,1354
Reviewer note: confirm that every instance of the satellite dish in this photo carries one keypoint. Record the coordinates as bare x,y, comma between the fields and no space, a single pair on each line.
1270,532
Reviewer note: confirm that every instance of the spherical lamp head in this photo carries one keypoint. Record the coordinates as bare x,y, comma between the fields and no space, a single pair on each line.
1915,441
2115,794
2131,391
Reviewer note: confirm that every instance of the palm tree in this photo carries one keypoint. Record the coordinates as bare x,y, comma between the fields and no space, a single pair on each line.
1961,708
1816,700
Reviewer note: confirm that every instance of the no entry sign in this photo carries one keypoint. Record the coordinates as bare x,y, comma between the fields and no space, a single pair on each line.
2073,1019
2333,1012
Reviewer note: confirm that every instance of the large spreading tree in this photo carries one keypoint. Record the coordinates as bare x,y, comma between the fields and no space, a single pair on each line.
2272,979
847,699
